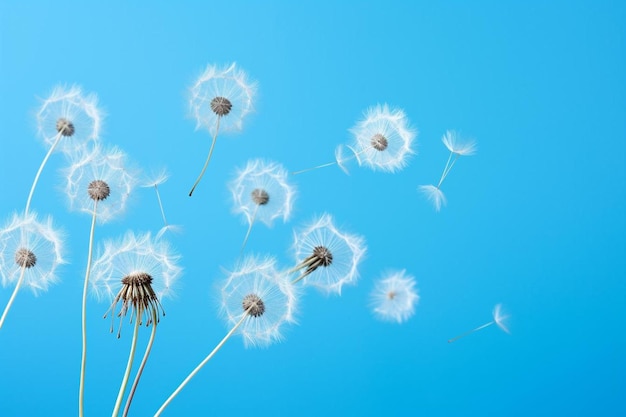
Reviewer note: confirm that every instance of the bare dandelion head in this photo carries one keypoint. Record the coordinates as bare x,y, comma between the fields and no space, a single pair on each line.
264,295
148,269
253,305
65,127
25,258
339,254
219,92
73,115
379,142
31,247
260,196
98,190
383,139
394,297
261,191
221,106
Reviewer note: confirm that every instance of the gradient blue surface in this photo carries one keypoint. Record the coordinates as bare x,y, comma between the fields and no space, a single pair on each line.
536,220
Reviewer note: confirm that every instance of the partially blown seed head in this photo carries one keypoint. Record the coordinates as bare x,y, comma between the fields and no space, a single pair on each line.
25,258
379,142
65,127
98,190
221,106
260,196
253,304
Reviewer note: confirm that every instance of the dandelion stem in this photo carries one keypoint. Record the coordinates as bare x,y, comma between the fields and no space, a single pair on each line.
204,362
81,392
156,188
129,366
206,164
245,240
131,394
471,331
43,163
10,303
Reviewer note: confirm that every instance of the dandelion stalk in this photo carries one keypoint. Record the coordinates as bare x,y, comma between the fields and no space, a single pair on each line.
206,164
129,366
204,362
15,291
131,394
43,163
83,363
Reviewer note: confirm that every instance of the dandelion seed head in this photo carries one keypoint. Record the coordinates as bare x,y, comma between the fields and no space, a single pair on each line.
383,140
258,287
260,196
154,178
32,245
394,297
254,305
72,114
221,106
222,92
340,253
99,175
261,191
25,258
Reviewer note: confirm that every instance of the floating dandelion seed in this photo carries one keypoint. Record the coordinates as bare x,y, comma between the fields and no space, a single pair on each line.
30,252
457,148
257,300
261,191
499,319
327,257
136,272
220,99
383,140
394,297
154,181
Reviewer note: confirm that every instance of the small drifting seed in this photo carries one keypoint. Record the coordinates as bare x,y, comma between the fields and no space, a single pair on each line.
221,106
253,304
65,127
98,190
379,142
260,196
25,258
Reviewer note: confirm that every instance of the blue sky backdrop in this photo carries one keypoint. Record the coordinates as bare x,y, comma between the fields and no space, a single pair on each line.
535,220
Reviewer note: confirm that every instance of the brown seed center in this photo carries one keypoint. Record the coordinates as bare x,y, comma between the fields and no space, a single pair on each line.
379,142
260,196
253,304
221,106
324,256
98,190
65,127
25,258
137,279
391,295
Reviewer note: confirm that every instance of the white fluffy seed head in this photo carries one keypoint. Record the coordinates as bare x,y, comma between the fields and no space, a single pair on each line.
394,297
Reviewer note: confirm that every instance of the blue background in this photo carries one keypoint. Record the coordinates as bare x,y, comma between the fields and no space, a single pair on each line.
535,220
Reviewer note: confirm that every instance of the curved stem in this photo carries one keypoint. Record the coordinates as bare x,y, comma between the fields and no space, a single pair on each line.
131,394
206,164
245,240
43,163
204,362
83,362
10,303
129,365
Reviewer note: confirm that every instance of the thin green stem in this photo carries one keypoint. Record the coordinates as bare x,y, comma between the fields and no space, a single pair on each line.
471,331
204,362
129,366
131,394
83,362
206,164
43,163
10,303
